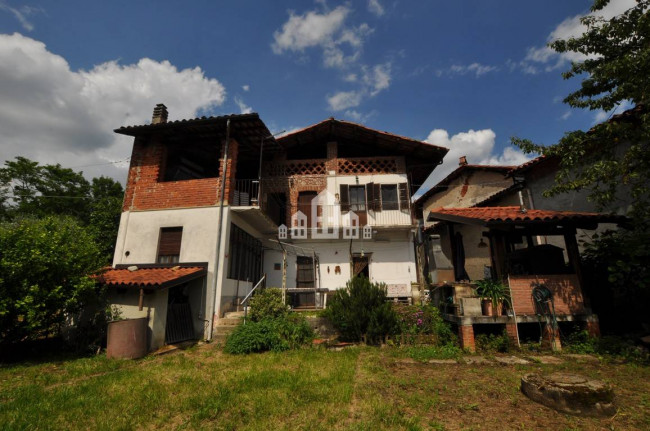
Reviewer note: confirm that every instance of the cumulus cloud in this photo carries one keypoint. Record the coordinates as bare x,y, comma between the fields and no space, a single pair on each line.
53,114
377,78
477,145
543,58
600,115
376,8
246,87
373,80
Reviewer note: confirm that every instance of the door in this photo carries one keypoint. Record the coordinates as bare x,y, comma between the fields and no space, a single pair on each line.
361,266
358,203
304,205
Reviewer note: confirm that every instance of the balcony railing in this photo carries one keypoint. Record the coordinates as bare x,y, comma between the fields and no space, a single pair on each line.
246,193
328,216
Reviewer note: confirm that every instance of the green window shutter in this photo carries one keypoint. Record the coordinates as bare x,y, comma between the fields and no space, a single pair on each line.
344,198
403,196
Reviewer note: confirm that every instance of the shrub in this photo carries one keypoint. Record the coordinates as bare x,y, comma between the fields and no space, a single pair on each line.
279,334
360,312
493,343
424,320
45,269
268,304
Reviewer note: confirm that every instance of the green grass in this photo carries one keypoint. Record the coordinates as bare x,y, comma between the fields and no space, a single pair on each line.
358,389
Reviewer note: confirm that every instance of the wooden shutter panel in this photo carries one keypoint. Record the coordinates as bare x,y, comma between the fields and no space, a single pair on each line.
170,241
370,199
376,192
344,198
403,196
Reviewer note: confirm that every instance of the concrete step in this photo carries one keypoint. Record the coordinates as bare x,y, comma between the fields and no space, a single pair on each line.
230,321
223,330
234,314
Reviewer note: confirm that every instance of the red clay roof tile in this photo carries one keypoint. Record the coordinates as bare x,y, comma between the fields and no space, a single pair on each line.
161,277
513,214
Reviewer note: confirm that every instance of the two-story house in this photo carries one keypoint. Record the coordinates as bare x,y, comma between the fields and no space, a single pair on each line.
203,222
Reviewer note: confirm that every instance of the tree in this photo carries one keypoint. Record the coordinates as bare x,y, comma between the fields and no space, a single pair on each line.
45,274
614,155
28,189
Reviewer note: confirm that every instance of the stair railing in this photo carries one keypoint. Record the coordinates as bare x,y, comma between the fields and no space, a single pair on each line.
244,302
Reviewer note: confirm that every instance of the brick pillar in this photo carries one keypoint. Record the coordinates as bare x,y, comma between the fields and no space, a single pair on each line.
593,326
511,330
332,162
466,335
552,338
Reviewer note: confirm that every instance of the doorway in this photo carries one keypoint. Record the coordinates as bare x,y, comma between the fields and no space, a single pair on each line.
361,265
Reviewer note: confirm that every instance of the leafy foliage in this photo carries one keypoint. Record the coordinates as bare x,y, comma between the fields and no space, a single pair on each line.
278,334
491,343
613,157
424,320
360,312
612,346
28,189
268,304
45,268
494,290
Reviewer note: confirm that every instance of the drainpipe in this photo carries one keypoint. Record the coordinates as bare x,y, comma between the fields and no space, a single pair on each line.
219,233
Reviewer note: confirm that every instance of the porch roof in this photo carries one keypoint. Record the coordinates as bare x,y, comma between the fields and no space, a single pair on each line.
513,215
151,277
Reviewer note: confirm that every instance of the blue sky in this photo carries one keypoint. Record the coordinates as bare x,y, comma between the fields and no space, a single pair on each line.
466,74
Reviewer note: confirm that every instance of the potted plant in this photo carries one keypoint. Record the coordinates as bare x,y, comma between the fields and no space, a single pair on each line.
494,294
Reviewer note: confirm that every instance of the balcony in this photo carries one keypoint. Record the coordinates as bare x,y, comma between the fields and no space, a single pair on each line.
246,193
330,216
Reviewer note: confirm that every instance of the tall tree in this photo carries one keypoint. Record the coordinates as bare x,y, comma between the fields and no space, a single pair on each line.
612,157
105,210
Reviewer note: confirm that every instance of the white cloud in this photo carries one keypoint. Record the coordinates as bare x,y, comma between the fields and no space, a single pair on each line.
378,78
476,68
601,115
243,108
246,87
344,100
53,114
21,14
544,58
340,43
566,115
359,117
477,145
376,8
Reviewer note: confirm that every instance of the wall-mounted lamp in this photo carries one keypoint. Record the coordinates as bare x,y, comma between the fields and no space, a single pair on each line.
357,179
482,244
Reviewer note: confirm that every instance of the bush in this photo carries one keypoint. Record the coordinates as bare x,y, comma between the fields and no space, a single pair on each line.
424,320
268,304
612,346
491,343
277,335
360,312
45,269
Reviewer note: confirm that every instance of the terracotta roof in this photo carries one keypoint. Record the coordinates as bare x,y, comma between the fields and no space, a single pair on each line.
151,277
442,184
486,216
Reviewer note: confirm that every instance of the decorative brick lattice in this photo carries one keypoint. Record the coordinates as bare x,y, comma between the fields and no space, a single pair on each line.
375,165
296,167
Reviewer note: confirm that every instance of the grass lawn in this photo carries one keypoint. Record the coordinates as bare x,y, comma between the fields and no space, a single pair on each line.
358,388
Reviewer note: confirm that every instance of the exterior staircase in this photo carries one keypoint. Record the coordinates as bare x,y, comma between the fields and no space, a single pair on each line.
226,325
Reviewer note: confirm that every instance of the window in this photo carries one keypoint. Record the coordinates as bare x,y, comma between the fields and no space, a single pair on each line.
305,272
389,197
169,244
357,198
245,256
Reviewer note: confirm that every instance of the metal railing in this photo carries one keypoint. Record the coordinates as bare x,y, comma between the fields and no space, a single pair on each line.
246,193
244,302
327,216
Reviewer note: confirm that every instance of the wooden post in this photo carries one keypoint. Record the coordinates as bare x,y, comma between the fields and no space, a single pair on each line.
284,276
141,300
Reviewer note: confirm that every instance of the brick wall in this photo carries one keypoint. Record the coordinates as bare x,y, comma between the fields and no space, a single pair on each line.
567,295
145,191
466,336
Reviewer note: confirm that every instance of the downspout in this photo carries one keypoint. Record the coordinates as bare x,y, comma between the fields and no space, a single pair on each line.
219,233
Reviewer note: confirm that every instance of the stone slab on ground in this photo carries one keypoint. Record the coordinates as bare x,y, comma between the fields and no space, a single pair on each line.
443,361
477,360
511,360
570,393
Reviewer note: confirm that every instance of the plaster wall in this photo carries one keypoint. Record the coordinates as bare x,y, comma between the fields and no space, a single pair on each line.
154,309
391,261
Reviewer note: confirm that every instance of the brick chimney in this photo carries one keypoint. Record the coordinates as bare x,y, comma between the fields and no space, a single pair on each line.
159,114
462,160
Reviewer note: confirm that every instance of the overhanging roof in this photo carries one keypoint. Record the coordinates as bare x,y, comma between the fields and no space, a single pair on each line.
247,129
421,157
512,215
150,276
